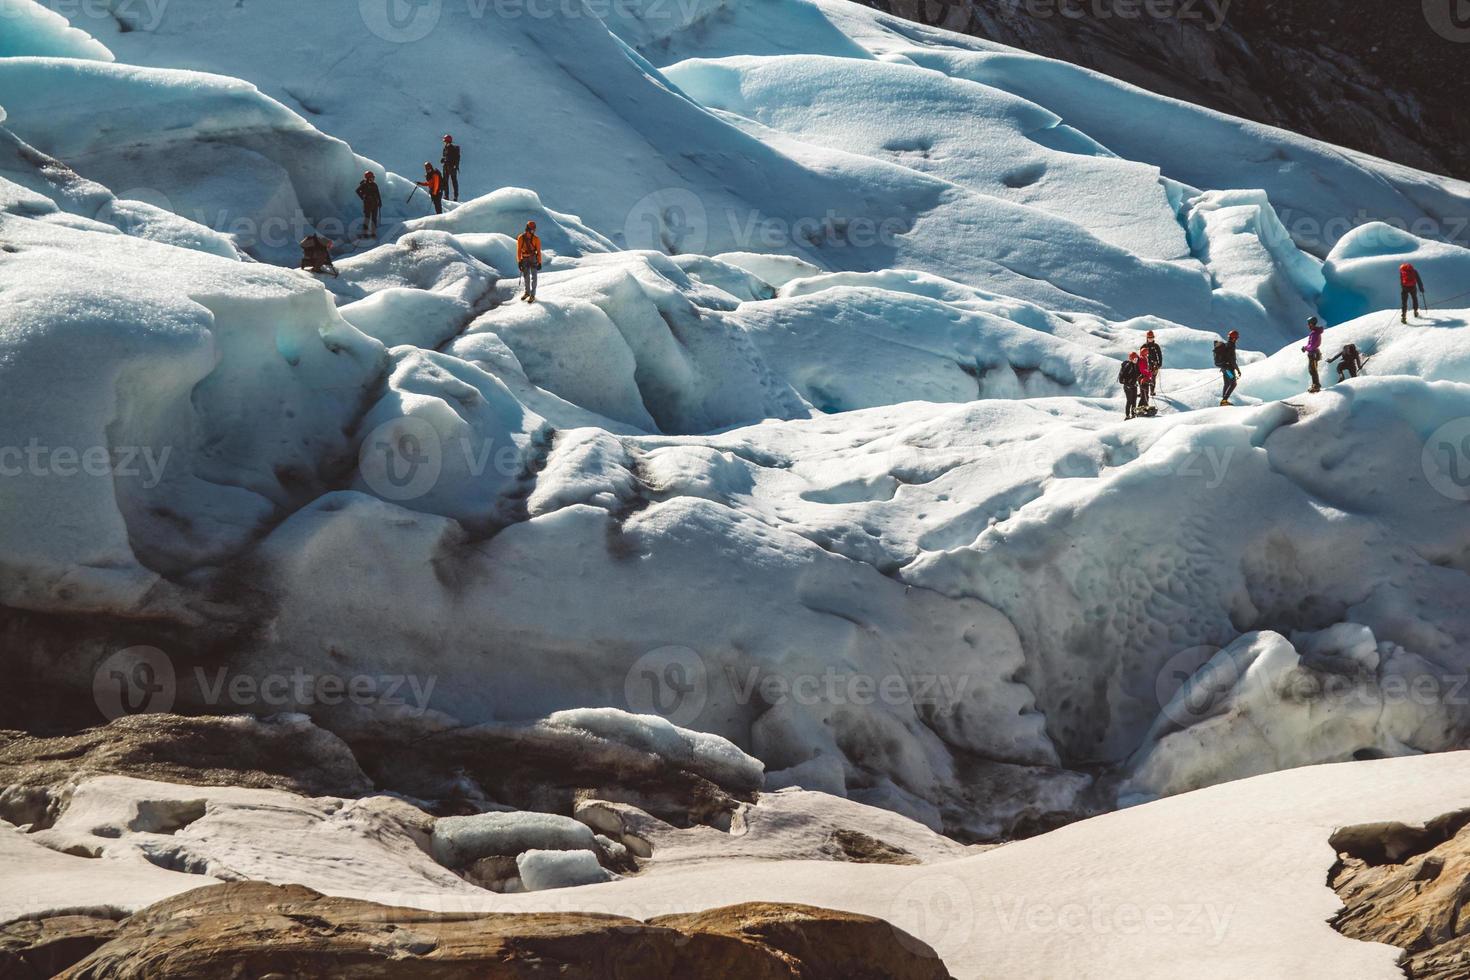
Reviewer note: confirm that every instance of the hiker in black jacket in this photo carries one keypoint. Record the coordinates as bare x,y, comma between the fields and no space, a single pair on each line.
1155,361
372,204
449,163
1225,360
1352,362
1128,377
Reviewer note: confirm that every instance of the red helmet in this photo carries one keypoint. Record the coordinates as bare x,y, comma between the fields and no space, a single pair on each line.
368,174
1133,355
448,138
1234,335
530,226
1150,335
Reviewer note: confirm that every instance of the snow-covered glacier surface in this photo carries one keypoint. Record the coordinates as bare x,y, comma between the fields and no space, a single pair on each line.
812,444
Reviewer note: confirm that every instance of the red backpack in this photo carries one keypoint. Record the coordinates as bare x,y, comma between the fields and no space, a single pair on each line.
1408,276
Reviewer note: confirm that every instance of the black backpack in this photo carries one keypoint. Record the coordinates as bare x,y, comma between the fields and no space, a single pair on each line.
1222,355
451,155
1128,373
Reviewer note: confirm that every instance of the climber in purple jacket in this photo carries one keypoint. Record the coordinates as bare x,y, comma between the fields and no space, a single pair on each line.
1314,353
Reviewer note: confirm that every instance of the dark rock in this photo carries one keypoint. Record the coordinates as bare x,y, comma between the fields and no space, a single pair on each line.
260,930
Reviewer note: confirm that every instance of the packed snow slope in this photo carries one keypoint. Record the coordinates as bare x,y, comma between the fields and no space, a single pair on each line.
856,496
1226,882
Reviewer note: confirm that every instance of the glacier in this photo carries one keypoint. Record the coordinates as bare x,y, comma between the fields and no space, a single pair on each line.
812,446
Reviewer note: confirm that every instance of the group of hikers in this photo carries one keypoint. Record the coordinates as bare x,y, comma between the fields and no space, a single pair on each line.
1139,375
440,184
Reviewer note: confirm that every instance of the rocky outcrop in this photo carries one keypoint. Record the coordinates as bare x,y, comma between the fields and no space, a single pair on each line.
1409,887
286,753
537,766
260,930
41,948
1376,78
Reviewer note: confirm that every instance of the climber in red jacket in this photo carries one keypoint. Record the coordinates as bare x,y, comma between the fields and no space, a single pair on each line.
1411,288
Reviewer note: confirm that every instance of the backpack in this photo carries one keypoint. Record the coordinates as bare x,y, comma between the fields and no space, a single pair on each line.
451,155
1128,373
1222,357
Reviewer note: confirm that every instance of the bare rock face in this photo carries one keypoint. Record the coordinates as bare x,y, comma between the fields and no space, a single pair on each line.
41,948
287,753
1408,887
261,930
1387,79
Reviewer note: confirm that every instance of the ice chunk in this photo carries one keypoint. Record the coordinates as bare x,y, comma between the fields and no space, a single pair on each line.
460,841
541,870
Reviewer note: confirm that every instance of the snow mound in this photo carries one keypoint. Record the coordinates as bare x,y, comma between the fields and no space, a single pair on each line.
461,841
210,148
1362,273
1435,348
709,755
32,30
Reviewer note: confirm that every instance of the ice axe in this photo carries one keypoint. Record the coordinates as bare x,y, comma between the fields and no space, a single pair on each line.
411,194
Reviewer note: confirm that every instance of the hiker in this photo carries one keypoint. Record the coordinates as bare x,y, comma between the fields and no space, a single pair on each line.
1225,360
450,162
372,204
528,257
1352,362
1411,287
434,182
1155,355
1145,383
316,255
1313,350
1129,377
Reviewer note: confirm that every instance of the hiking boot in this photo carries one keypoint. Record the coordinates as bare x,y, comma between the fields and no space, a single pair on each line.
1224,401
1314,389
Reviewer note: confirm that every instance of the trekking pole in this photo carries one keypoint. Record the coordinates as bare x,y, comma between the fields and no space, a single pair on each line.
411,194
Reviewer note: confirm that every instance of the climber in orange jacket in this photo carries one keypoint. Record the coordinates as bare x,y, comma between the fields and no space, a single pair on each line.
433,182
528,257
